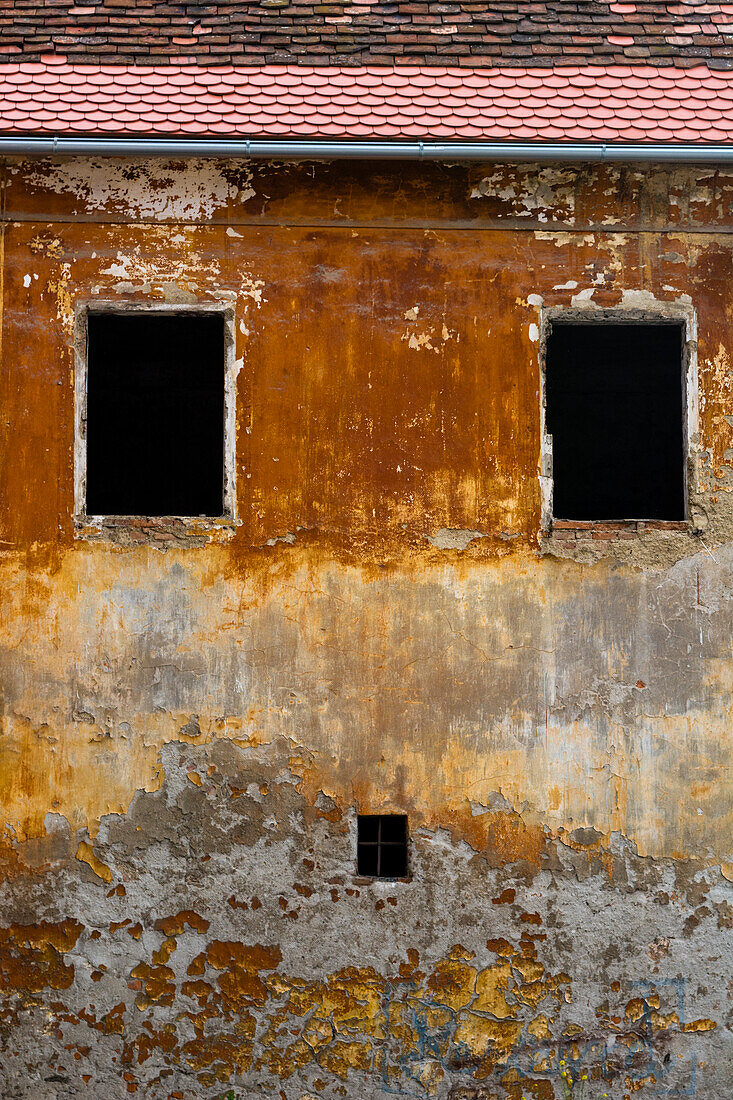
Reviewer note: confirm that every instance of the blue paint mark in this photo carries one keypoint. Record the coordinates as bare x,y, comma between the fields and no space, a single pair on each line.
636,1056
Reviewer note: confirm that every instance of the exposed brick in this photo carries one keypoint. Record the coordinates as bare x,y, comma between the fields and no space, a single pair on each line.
573,524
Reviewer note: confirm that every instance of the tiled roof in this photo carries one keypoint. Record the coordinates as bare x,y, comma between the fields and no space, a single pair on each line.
640,104
344,32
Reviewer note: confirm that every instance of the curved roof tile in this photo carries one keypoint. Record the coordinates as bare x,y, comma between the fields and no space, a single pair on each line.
618,103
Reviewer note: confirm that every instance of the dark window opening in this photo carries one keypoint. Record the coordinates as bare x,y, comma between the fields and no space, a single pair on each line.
615,413
155,414
382,845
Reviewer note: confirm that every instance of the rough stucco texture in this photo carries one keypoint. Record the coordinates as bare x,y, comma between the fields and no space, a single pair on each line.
192,718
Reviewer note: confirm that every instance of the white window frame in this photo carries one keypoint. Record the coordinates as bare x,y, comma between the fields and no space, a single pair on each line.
658,313
81,373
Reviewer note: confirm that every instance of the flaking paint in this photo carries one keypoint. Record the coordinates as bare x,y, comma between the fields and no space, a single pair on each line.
384,629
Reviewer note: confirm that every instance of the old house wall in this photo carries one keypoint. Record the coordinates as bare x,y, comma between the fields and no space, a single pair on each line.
193,716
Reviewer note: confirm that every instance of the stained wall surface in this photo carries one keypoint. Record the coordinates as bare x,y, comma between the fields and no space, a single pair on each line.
193,714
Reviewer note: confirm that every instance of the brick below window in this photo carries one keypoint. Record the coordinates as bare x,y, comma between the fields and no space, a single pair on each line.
567,533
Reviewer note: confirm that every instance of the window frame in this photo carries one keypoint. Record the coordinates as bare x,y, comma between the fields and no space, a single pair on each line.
379,844
661,313
87,524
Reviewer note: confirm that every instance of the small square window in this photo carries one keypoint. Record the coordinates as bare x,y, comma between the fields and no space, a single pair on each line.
382,845
155,414
615,411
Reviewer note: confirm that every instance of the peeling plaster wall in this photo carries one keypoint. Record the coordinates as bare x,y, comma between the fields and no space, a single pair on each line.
191,718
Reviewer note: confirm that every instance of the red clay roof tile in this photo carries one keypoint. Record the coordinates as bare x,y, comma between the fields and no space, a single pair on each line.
543,32
416,102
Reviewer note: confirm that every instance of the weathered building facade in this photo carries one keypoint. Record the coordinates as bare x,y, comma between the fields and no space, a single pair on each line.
194,712
366,540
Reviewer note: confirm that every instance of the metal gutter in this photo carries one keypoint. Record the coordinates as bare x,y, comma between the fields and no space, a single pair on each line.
68,145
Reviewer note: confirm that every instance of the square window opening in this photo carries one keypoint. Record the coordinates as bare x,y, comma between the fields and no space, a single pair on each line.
155,414
382,845
615,410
